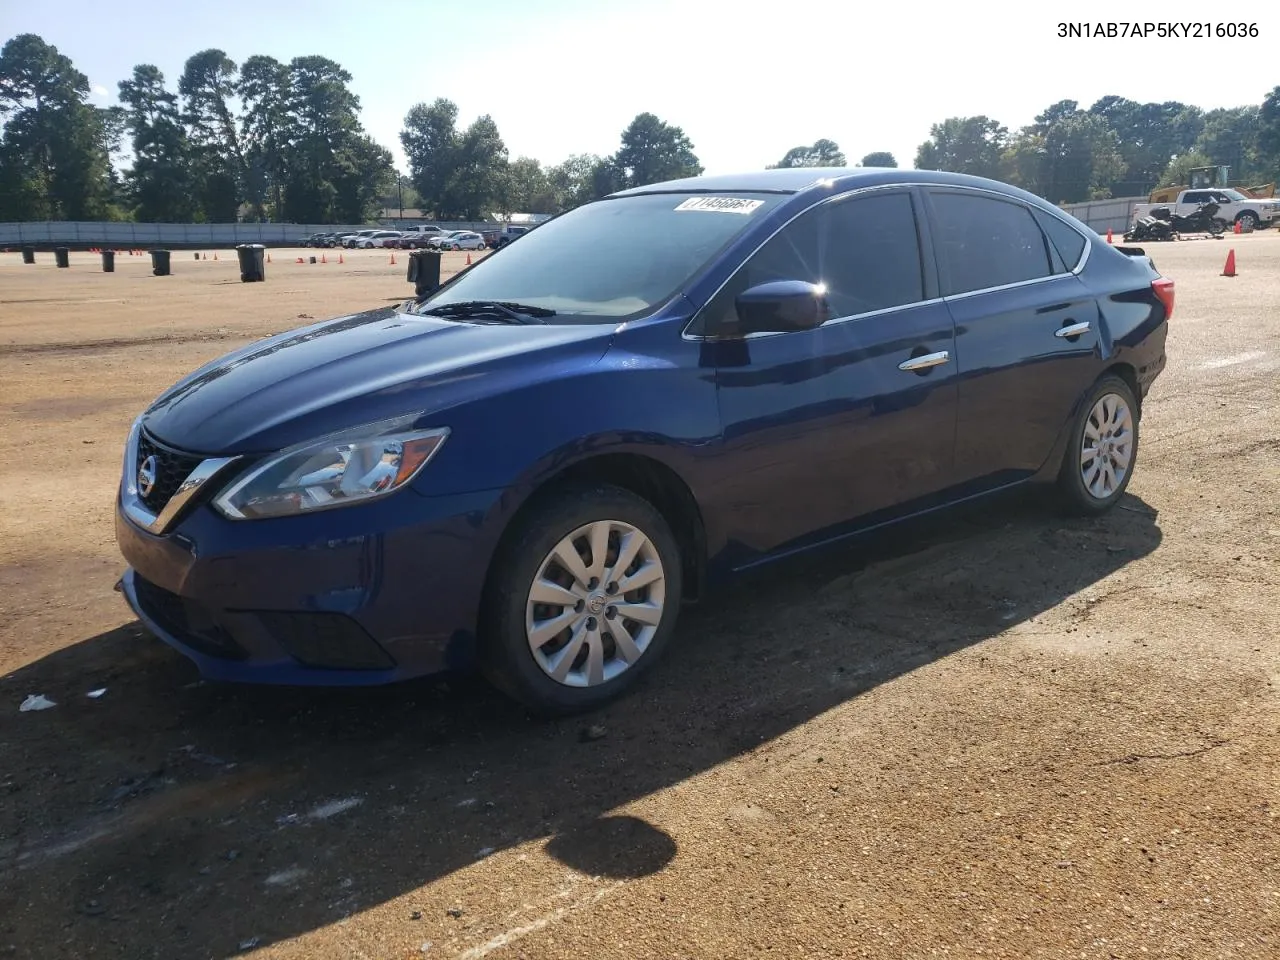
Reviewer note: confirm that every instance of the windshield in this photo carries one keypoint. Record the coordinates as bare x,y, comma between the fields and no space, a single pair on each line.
610,260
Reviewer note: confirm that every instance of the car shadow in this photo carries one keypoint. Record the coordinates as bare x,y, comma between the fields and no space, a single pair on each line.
154,816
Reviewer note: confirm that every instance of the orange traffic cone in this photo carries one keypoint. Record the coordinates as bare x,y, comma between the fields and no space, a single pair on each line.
393,259
1236,228
1229,268
268,256
340,260
1108,234
299,260
215,254
468,259
323,258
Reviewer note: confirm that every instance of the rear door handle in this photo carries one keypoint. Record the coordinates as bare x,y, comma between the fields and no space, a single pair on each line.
928,360
1072,330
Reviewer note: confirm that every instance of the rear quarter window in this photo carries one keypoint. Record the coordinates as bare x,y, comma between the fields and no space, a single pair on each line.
1068,241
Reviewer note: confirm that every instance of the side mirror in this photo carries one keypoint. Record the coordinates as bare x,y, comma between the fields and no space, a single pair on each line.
782,306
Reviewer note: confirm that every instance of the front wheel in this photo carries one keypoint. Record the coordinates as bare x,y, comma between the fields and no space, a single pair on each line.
1102,450
1248,220
581,600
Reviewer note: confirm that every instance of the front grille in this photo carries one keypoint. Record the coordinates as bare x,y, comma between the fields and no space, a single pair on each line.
186,621
172,468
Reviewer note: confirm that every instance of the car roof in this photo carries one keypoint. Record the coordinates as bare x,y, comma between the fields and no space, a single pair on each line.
799,180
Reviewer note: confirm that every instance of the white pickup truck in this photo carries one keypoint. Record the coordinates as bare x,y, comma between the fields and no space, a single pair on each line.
1233,206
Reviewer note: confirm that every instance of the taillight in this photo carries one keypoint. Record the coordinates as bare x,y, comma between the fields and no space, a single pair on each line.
1163,289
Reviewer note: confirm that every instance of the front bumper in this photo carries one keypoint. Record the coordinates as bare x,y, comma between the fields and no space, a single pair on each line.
365,595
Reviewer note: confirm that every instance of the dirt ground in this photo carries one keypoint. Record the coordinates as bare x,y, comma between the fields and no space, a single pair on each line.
998,735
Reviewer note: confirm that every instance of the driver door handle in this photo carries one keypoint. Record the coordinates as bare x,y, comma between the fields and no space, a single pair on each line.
928,360
1072,330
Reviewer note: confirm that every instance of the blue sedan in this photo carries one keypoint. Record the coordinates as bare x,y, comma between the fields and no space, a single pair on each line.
530,469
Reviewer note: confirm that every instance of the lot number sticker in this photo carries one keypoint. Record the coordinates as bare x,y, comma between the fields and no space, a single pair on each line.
720,204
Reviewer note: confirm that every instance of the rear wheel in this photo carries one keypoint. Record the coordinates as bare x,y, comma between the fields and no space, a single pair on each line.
1102,451
581,601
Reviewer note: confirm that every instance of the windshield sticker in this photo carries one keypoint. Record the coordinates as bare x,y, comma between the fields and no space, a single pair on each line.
720,204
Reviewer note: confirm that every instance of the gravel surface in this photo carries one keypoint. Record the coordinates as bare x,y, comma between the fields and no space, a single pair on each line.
998,734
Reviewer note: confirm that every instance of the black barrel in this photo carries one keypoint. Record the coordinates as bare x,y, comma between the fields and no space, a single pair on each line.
252,262
424,271
61,256
160,263
28,254
108,261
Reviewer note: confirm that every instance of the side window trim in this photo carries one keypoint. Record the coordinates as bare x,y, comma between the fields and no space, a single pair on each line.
930,279
930,190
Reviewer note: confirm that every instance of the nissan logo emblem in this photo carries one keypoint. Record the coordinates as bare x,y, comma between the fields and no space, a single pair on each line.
147,476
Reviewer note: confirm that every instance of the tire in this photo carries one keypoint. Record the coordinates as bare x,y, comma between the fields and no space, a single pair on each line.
507,657
1248,220
1075,494
1217,227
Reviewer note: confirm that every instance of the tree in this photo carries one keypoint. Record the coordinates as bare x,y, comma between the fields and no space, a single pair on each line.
573,180
1178,173
430,141
1023,162
880,158
1230,138
971,145
1149,135
159,183
207,85
652,152
529,188
1081,158
1269,132
362,171
334,172
480,172
823,153
606,177
267,130
53,151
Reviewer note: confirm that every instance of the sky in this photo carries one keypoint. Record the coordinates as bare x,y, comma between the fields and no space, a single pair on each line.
745,81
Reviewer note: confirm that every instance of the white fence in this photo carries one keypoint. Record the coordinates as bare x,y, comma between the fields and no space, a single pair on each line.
125,235
1101,215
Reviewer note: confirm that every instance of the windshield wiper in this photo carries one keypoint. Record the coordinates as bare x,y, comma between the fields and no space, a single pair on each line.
506,311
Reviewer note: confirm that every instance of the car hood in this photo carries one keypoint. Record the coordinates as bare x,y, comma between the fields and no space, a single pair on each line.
358,369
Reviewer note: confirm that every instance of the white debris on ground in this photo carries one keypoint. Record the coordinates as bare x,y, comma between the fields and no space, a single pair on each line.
334,807
36,701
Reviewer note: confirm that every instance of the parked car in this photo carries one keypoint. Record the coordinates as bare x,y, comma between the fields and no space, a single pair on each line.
379,238
533,468
353,240
416,237
503,235
458,240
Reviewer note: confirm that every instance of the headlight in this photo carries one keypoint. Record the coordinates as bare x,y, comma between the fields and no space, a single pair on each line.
345,468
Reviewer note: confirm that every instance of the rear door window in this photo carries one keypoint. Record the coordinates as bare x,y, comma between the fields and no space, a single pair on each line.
984,241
